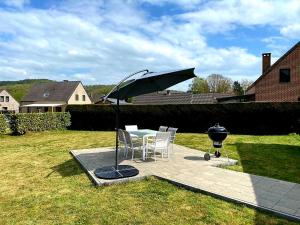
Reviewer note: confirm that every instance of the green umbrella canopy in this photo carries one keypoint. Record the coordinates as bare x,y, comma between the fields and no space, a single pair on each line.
152,82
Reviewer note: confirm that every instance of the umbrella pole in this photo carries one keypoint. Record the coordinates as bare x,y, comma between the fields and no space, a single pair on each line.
117,128
117,171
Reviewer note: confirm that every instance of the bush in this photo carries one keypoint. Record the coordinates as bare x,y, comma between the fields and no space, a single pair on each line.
241,118
23,122
3,124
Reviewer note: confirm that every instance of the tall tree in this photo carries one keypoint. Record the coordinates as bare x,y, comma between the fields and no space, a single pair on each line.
245,83
219,84
199,85
237,88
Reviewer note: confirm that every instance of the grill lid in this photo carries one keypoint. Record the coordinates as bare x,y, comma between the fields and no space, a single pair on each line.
217,129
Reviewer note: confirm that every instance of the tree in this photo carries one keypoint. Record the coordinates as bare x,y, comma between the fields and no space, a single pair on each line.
246,83
237,88
199,85
219,84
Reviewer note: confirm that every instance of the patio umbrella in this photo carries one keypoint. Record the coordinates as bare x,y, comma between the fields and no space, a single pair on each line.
149,82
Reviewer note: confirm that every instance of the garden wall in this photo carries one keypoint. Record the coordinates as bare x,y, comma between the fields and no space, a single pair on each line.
241,118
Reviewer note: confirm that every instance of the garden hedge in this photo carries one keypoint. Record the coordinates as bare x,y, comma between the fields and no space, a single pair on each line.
241,118
23,122
3,124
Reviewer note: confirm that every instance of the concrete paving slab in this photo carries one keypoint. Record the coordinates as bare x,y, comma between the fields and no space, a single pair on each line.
187,168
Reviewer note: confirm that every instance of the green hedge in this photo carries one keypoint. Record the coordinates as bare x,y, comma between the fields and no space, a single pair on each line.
241,118
3,124
23,122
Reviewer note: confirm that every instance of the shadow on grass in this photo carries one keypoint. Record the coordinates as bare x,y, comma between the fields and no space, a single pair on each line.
67,168
86,161
272,160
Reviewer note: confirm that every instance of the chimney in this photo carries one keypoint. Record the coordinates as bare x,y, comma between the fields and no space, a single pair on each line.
266,61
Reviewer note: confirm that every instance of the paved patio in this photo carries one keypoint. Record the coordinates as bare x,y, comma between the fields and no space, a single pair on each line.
187,168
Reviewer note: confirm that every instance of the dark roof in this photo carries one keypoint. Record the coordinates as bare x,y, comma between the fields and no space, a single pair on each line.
166,98
237,98
275,64
56,91
96,97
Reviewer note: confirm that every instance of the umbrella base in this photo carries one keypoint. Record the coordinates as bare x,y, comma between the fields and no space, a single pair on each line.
110,172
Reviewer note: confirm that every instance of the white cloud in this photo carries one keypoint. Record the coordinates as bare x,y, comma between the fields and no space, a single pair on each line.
221,16
291,31
102,41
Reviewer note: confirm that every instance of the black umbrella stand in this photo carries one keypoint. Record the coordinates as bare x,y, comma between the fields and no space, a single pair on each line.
117,171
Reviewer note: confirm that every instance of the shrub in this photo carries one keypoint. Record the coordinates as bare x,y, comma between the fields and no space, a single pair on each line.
23,122
242,118
3,124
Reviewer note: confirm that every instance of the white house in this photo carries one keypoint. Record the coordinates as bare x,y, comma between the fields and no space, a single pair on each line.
7,102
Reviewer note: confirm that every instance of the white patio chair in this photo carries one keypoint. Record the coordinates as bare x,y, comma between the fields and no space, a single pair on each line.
131,127
122,141
173,131
162,129
159,144
132,144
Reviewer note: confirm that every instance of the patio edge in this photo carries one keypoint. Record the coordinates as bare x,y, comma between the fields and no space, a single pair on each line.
230,199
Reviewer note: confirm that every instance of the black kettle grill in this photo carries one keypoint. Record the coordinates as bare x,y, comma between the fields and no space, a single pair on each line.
217,134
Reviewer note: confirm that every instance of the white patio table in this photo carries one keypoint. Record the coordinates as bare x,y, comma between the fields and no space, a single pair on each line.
144,134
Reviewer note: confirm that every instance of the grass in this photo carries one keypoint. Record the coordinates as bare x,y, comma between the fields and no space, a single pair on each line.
272,156
40,183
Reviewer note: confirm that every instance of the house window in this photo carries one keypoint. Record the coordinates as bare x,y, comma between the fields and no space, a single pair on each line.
7,98
1,98
83,98
284,75
77,97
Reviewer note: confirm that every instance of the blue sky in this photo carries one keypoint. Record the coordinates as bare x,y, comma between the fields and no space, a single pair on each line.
101,41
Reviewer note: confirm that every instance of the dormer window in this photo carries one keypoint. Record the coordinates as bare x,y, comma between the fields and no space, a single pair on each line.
46,94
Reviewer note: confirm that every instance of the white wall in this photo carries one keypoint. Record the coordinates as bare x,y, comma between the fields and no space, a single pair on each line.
12,104
80,91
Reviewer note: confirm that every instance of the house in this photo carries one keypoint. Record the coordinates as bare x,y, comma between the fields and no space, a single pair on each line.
168,97
7,102
279,82
54,96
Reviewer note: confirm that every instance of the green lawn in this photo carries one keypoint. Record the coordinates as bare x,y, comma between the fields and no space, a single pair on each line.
272,156
40,183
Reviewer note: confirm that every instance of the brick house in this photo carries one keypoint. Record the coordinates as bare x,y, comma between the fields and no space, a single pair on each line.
7,102
279,82
54,97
